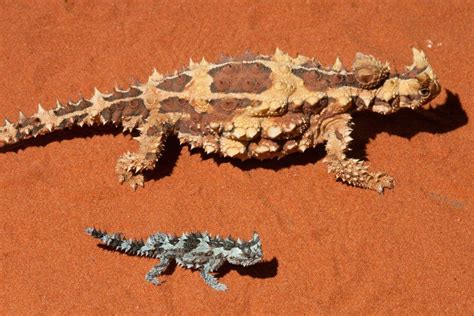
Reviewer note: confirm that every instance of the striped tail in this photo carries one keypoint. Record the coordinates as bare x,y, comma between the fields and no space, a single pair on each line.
118,242
120,107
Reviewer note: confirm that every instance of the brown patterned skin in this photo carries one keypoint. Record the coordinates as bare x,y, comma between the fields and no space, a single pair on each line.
255,107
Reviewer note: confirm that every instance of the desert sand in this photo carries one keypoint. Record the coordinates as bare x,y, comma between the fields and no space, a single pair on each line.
329,248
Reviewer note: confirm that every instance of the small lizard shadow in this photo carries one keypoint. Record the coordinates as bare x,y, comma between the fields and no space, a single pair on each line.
261,270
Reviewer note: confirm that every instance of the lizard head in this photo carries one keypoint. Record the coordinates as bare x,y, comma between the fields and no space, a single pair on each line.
246,253
412,89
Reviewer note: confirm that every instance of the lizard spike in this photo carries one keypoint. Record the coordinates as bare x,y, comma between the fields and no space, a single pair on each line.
419,58
58,105
204,62
278,52
22,116
337,65
300,59
367,100
7,122
255,236
192,64
97,92
41,110
155,76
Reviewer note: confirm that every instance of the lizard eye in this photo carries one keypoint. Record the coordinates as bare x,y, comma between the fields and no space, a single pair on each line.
424,92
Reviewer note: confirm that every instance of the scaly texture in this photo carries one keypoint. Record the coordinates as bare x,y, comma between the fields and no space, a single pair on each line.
251,107
192,250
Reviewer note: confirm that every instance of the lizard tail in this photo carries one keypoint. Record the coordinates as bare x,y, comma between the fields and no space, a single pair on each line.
118,242
120,107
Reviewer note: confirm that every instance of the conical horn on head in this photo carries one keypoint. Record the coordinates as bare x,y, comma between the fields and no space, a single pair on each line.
255,237
419,60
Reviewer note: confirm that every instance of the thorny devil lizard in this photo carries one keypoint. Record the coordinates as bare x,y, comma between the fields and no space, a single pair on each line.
197,250
250,107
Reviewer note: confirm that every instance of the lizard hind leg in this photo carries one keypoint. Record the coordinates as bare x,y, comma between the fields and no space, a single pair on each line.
131,165
352,171
212,280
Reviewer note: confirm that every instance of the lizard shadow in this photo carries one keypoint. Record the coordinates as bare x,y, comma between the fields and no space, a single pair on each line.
261,270
405,123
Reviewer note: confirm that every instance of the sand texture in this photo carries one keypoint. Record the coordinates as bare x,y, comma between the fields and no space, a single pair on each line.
329,248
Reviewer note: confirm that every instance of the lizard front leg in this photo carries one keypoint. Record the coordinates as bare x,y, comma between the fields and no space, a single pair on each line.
130,166
336,131
152,275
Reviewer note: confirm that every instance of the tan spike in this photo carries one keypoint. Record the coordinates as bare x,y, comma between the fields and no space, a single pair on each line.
96,91
155,76
58,105
22,116
7,122
300,59
192,64
337,65
278,52
419,58
204,62
41,109
367,100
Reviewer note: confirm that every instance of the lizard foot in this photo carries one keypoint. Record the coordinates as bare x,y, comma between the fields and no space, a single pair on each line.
129,169
380,181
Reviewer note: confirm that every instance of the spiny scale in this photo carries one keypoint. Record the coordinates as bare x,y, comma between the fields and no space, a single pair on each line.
255,106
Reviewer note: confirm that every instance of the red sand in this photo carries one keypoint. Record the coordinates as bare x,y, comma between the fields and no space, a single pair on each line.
330,248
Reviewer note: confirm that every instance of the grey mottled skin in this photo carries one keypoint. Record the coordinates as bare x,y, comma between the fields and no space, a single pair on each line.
192,250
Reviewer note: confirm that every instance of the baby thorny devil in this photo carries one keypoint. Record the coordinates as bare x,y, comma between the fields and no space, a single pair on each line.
197,250
250,107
